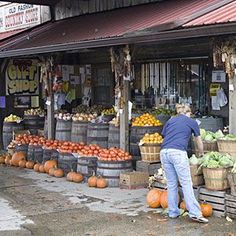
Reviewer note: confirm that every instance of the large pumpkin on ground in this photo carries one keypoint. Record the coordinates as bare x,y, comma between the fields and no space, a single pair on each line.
49,164
58,173
70,175
17,157
77,178
22,163
92,181
154,198
101,182
36,167
164,199
207,209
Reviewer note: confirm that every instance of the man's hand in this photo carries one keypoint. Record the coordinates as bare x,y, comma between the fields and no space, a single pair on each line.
199,145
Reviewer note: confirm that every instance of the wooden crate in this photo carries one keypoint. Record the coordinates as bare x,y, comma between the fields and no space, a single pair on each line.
196,190
230,204
134,180
149,167
216,199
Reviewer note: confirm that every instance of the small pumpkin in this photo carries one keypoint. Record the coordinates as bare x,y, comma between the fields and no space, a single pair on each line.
22,163
11,163
92,181
17,157
36,167
207,209
30,164
154,198
77,178
101,182
7,160
2,159
183,206
164,199
41,168
70,175
58,173
49,164
51,171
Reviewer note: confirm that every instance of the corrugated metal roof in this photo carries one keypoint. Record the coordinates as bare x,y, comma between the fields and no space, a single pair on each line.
8,34
110,24
223,14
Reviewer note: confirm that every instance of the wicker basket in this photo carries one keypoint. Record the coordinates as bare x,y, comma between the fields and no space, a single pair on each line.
227,146
207,147
150,152
196,175
232,183
216,178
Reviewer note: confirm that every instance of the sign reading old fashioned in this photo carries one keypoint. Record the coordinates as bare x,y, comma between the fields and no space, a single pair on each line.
22,78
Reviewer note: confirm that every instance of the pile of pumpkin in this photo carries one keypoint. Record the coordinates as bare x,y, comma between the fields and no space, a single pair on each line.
18,159
157,198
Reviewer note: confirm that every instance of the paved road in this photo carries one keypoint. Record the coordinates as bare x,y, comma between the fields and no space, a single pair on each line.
37,204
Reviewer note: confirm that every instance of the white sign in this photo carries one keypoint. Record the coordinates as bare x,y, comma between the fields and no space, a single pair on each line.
218,76
18,16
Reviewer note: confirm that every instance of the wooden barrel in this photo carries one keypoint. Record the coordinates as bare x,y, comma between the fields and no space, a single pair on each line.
63,130
50,154
46,127
79,131
114,136
22,148
35,153
33,123
136,133
98,134
87,166
7,133
111,170
67,162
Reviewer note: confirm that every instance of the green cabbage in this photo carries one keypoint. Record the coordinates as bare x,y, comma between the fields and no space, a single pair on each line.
219,134
194,160
203,133
209,137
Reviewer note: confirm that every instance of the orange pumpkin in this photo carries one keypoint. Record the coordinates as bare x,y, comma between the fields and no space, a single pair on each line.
17,157
11,163
154,198
22,163
49,164
70,175
36,167
58,173
164,199
7,160
2,159
29,164
77,178
51,171
92,181
41,169
101,182
183,206
207,209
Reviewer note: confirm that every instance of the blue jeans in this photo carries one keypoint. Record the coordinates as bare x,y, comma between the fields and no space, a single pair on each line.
176,166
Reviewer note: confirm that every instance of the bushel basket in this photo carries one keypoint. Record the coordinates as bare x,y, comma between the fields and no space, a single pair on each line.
150,152
216,178
227,146
207,147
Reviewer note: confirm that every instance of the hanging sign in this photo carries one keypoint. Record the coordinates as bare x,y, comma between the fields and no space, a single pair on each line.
22,78
218,76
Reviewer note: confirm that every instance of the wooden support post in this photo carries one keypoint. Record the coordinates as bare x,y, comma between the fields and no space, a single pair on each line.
232,106
50,110
124,118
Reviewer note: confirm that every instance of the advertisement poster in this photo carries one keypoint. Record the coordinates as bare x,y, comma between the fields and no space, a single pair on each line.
22,78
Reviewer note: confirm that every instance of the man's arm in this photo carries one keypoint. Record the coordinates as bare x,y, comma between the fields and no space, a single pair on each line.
199,145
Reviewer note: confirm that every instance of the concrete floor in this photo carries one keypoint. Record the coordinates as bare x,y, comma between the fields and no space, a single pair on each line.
37,204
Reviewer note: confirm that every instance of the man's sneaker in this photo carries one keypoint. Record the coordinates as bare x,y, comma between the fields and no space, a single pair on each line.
199,219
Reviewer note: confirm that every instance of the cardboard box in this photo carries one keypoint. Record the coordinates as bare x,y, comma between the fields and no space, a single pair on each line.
134,180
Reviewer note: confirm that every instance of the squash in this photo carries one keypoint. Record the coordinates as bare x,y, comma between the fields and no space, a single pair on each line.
30,164
77,178
22,163
92,181
69,176
101,182
41,168
49,164
183,205
36,167
164,199
17,157
58,173
51,171
154,198
207,209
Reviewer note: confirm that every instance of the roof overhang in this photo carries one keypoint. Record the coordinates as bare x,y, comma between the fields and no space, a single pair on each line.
37,2
140,38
